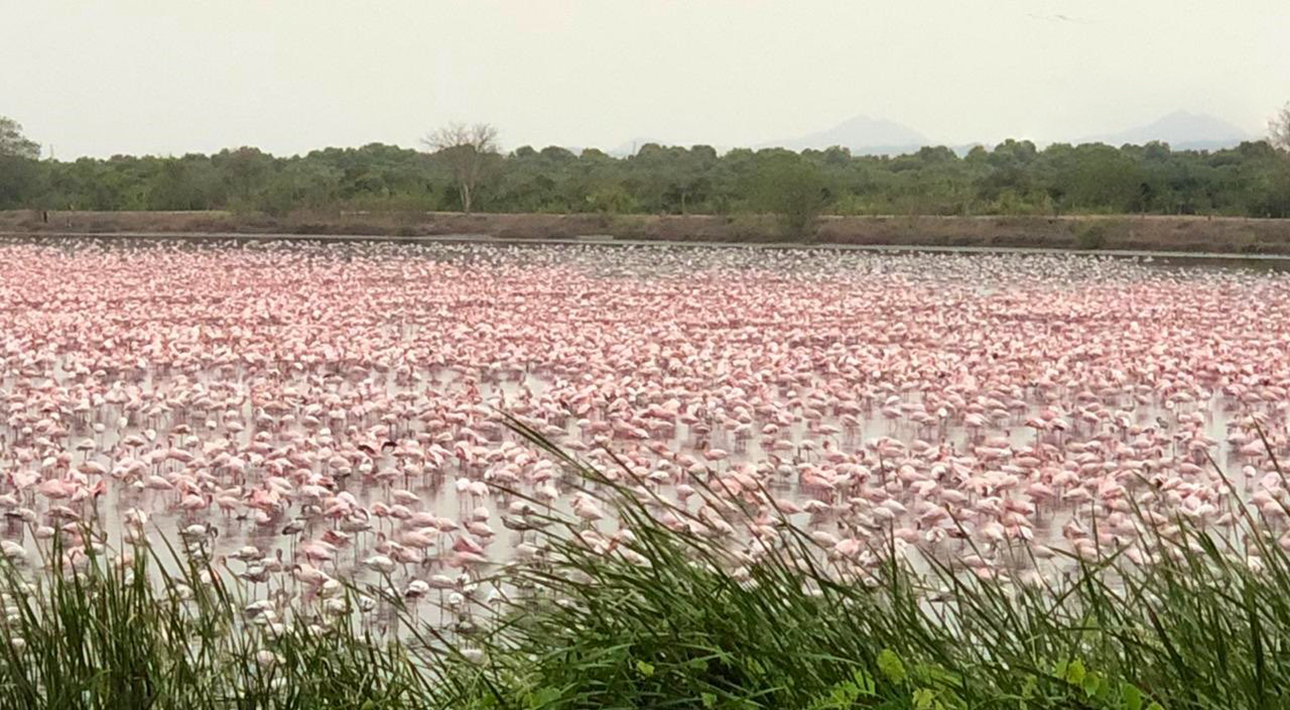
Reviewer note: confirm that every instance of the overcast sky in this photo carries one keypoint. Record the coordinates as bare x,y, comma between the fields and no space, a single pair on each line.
174,76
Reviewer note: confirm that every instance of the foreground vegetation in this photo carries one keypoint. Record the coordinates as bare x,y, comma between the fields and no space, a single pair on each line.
662,618
1012,178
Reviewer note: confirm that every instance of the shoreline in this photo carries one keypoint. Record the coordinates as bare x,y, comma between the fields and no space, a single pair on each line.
1156,236
606,241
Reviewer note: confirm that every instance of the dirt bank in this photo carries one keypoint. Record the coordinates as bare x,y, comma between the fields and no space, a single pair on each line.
1183,234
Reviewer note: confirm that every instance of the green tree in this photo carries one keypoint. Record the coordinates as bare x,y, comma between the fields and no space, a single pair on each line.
1012,178
1010,173
13,143
244,173
301,184
188,183
19,181
794,190
1106,179
19,171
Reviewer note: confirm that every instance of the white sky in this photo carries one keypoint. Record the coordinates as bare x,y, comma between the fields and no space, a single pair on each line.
171,76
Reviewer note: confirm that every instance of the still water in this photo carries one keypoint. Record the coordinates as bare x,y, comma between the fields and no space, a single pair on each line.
312,411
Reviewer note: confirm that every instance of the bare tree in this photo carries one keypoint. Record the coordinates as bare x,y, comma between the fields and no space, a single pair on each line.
467,149
1279,129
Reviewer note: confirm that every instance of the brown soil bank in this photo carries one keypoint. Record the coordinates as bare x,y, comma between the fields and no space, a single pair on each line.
1183,234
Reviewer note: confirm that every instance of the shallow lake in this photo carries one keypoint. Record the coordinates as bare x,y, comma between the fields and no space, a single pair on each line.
334,406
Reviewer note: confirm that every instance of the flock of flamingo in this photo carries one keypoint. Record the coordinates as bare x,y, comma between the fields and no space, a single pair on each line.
315,413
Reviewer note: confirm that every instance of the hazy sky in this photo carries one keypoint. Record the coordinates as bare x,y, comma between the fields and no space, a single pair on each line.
172,76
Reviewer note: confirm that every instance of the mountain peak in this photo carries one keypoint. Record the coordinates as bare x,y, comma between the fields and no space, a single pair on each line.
861,134
1182,130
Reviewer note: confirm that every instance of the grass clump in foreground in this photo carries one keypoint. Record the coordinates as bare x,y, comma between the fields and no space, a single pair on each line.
676,616
100,631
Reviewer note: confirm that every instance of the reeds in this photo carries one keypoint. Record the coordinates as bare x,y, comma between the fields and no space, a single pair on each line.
672,616
118,632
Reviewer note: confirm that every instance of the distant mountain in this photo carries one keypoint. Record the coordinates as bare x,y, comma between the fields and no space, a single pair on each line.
1182,131
862,134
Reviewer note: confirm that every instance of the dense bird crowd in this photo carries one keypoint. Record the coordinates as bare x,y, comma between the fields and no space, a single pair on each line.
308,414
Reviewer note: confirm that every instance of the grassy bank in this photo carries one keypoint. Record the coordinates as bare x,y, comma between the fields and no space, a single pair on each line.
1182,234
671,616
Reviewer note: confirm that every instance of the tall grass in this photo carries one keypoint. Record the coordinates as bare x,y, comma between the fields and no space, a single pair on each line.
674,616
158,629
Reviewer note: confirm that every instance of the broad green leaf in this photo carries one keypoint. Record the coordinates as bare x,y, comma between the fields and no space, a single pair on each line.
1075,672
1131,697
891,666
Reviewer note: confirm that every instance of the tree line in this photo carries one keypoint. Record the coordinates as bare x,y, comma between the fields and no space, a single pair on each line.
462,169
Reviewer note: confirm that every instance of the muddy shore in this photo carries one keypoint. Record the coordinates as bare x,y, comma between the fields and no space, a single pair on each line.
1107,233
